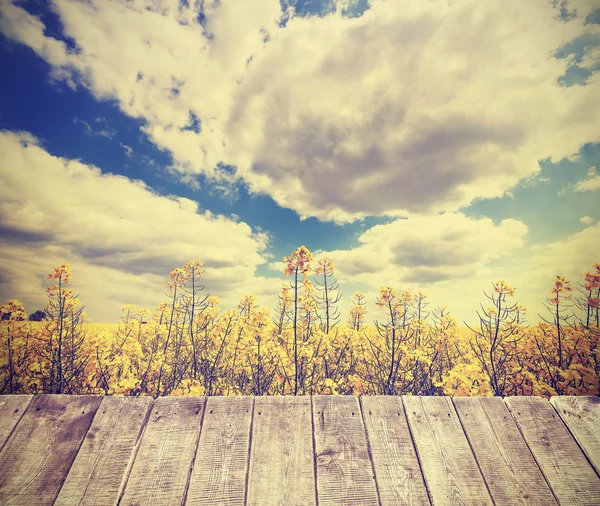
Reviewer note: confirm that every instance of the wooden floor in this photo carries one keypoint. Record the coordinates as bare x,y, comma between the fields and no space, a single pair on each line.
88,450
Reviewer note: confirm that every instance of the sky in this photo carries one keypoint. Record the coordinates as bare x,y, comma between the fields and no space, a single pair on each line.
435,145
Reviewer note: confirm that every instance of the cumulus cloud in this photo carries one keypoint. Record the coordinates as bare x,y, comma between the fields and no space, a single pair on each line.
427,249
568,257
414,107
121,238
591,60
590,183
459,258
587,220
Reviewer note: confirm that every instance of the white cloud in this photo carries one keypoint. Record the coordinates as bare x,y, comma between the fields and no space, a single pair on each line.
587,220
581,7
569,257
121,238
412,107
107,132
128,150
591,59
426,249
453,259
277,266
590,183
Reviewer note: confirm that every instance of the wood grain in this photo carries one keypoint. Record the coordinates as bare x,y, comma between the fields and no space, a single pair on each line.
397,469
160,472
37,456
96,476
12,408
582,417
511,473
449,467
570,475
344,467
281,459
220,469
326,450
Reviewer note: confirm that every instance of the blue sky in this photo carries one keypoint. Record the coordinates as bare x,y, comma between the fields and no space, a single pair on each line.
435,147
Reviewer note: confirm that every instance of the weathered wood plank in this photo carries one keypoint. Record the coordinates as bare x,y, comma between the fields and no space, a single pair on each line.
570,475
397,468
220,468
282,459
96,477
344,467
12,408
37,457
450,469
582,417
161,468
511,473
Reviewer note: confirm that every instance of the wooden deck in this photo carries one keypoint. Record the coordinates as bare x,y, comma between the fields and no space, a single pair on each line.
89,450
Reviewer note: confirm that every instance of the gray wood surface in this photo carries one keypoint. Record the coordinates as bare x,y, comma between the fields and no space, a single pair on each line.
344,468
397,468
36,458
582,417
96,476
220,469
161,469
451,472
508,467
281,460
12,408
564,465
327,450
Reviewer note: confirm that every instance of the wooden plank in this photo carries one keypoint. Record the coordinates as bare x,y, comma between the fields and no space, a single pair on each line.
344,467
96,477
582,417
162,465
570,475
37,457
281,459
220,469
511,473
397,468
450,469
12,408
